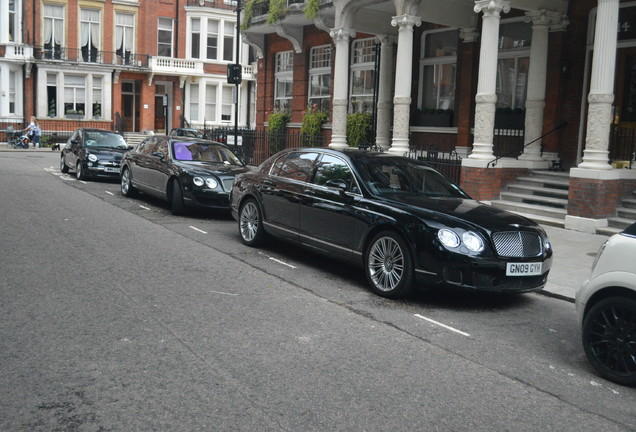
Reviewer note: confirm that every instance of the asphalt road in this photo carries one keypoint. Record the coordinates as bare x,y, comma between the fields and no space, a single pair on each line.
117,316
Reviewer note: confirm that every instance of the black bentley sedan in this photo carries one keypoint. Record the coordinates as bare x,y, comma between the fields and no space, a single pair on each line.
404,222
93,152
187,172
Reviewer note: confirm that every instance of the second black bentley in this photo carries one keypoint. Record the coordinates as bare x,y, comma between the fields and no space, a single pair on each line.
187,172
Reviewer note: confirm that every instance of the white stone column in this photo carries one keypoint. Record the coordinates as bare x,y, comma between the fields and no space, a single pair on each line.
487,81
383,125
341,37
601,96
537,76
402,96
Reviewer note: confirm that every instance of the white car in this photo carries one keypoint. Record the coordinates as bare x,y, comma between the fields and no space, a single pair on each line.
606,309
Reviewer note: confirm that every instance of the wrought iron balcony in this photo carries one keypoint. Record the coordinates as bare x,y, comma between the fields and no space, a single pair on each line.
217,4
93,56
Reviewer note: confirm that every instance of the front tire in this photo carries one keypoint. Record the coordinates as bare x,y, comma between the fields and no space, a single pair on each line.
251,223
79,171
63,167
176,199
127,189
609,339
388,265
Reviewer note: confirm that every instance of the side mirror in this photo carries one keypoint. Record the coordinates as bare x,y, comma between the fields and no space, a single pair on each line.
338,184
159,155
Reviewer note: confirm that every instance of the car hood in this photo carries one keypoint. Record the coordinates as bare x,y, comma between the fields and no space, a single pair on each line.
461,210
110,153
207,168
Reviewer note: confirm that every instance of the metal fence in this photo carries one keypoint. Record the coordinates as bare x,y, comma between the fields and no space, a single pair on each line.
53,131
447,163
622,145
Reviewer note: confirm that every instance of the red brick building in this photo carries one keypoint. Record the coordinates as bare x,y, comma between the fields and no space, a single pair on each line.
133,65
513,86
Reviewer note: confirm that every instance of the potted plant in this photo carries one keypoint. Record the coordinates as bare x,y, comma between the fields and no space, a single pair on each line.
311,128
277,123
358,129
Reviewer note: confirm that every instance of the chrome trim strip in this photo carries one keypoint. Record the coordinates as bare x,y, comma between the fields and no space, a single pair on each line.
425,272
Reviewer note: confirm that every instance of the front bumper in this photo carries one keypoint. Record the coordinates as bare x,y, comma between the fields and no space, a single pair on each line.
486,275
206,198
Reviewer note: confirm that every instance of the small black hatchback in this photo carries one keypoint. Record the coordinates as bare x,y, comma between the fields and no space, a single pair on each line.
93,153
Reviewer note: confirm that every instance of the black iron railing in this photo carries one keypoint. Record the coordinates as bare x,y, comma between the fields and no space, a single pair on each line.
516,152
622,146
447,163
91,55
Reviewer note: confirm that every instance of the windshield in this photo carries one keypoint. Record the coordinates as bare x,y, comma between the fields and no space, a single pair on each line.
187,151
386,176
194,133
104,139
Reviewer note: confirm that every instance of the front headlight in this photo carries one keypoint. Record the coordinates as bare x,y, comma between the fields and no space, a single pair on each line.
472,241
198,181
211,183
448,238
92,158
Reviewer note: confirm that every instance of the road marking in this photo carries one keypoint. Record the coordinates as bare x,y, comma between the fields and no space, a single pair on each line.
82,181
110,193
197,229
224,293
144,207
443,325
277,260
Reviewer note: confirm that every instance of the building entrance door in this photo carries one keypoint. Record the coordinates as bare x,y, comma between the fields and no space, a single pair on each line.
163,98
130,101
623,135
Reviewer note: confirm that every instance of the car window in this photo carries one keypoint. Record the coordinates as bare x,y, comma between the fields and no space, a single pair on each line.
333,168
147,146
162,147
386,175
298,166
104,139
188,151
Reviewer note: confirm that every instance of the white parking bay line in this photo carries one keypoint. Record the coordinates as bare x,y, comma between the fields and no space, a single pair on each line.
443,325
197,229
110,193
277,260
144,207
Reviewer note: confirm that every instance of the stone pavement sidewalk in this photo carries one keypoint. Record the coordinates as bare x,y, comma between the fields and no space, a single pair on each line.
574,254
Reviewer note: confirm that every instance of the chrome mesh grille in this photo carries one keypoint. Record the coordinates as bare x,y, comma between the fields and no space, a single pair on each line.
227,183
517,244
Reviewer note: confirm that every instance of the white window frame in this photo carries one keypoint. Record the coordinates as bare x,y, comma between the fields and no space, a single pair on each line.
367,63
437,63
90,24
199,103
516,53
55,26
161,27
320,61
14,19
220,34
284,72
127,34
78,90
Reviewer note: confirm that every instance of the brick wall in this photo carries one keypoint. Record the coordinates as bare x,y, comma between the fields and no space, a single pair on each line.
597,199
486,184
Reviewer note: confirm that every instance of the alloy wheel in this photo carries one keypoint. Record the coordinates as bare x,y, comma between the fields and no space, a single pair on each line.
249,221
386,264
